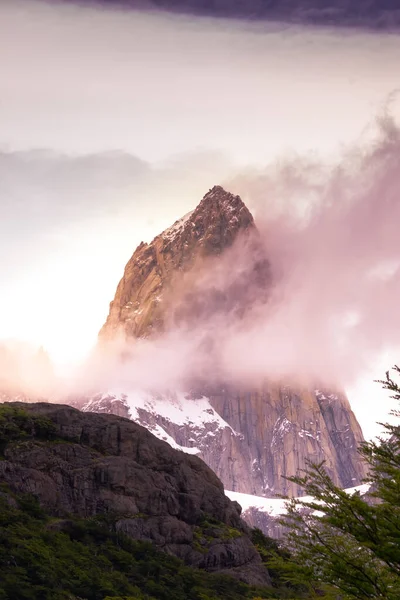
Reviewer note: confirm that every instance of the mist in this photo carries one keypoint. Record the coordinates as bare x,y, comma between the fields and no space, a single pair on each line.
139,115
330,314
330,234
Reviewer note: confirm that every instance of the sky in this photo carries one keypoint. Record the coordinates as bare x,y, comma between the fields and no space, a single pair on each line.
113,124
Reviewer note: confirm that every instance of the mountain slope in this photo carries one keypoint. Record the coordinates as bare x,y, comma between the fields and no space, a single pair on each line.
205,272
88,465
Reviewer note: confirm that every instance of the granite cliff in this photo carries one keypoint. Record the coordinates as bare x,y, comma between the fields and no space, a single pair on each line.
251,436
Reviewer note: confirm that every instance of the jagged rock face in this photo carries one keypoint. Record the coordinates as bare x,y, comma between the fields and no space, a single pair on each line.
285,426
106,464
253,438
157,289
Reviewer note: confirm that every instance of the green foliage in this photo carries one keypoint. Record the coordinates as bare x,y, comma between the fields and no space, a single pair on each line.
271,553
209,529
17,424
278,561
343,540
42,558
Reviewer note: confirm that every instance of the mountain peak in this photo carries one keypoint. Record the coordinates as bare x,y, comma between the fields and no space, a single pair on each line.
221,195
220,215
206,232
218,200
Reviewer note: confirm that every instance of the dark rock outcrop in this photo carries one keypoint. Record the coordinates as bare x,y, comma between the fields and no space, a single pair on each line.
104,464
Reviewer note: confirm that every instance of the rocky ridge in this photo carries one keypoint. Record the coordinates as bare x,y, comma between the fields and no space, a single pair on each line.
87,464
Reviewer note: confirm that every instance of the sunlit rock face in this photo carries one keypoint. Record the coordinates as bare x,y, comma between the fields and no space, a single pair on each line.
252,436
252,441
158,289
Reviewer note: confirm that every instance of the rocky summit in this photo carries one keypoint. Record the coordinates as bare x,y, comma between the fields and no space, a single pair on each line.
157,291
252,437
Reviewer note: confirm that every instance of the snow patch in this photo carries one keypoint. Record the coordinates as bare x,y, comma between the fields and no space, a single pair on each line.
304,433
272,506
282,427
161,434
363,489
177,227
161,413
277,506
177,408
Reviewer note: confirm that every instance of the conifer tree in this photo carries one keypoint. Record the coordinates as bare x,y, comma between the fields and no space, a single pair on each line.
349,542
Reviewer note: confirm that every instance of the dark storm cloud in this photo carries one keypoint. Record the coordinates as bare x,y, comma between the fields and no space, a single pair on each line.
378,14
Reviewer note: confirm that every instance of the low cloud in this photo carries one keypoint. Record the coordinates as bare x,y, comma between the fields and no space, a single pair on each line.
331,237
333,242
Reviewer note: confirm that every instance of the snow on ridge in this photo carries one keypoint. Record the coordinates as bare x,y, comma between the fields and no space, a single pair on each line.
277,506
363,489
329,397
273,506
177,227
224,197
154,412
161,434
177,408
